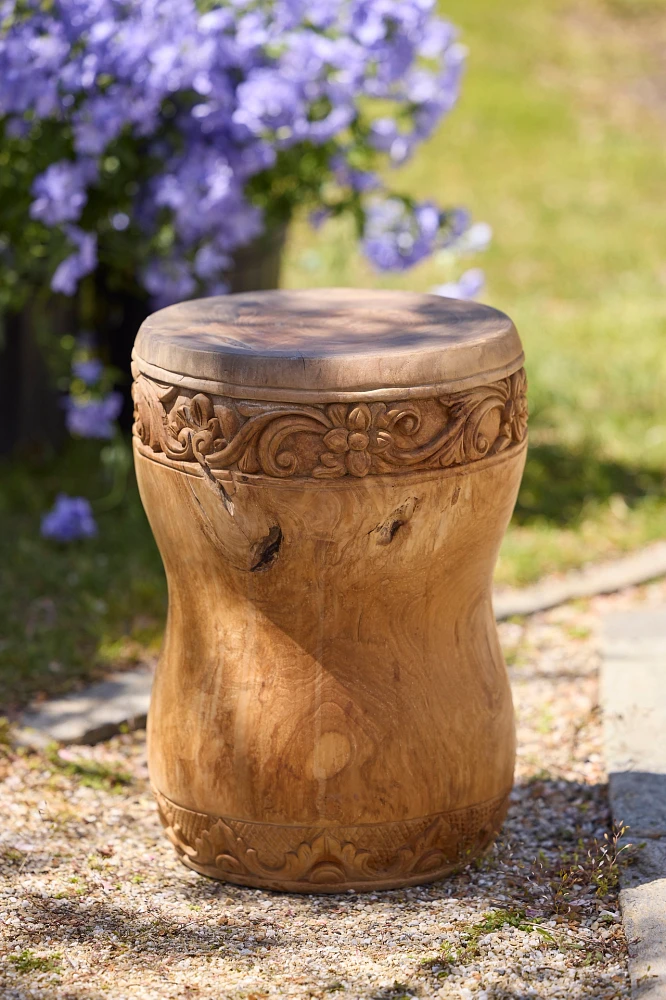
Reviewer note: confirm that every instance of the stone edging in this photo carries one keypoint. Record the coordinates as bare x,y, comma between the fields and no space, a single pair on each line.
601,578
633,700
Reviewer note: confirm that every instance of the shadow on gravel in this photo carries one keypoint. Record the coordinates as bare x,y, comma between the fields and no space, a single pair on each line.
56,994
118,926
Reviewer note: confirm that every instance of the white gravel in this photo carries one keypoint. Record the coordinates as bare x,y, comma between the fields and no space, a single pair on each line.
94,904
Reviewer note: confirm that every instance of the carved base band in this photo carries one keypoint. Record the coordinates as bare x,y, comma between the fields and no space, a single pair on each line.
365,857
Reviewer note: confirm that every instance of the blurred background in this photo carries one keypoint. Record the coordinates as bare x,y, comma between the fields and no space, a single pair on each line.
558,143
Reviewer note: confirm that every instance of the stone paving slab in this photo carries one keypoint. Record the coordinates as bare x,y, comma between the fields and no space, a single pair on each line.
94,714
633,697
600,578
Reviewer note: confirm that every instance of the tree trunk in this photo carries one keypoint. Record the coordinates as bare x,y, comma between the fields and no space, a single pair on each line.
32,415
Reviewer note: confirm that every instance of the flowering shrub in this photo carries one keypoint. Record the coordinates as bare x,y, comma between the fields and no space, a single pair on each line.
157,136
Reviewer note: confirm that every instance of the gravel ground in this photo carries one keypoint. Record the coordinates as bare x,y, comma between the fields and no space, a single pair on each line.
94,904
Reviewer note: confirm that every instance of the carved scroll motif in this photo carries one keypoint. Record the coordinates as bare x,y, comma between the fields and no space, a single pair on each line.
334,440
329,857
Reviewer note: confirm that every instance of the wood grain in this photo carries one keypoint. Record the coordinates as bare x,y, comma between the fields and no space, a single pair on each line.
325,341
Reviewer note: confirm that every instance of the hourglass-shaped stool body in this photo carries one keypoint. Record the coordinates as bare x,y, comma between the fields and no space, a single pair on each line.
328,475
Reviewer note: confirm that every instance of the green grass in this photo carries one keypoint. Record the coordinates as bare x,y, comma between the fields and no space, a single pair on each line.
558,142
69,612
467,948
27,961
89,773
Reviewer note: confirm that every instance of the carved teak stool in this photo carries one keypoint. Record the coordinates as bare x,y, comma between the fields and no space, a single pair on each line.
328,476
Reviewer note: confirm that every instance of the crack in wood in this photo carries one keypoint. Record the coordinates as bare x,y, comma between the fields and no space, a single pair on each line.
266,551
387,530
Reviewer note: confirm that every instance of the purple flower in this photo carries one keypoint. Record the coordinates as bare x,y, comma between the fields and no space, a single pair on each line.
168,280
396,236
99,122
383,133
468,285
266,100
210,263
319,217
120,221
326,128
70,271
60,192
93,418
357,180
69,519
475,239
387,137
439,37
90,371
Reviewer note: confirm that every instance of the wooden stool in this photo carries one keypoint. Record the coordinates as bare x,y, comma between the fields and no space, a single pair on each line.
328,475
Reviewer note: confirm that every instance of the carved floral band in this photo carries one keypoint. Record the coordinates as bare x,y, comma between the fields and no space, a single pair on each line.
330,440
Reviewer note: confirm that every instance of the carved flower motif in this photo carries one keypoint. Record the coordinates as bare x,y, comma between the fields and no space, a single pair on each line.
519,408
356,436
193,423
513,424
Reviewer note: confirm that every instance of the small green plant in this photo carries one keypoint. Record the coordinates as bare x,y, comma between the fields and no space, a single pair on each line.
648,975
514,656
545,721
440,965
27,961
12,855
491,922
88,772
447,953
607,860
583,874
468,948
541,774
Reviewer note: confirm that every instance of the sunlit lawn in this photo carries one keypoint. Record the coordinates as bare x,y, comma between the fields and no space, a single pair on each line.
559,143
70,612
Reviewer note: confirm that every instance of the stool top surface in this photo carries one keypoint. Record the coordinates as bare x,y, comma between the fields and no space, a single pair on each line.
329,340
